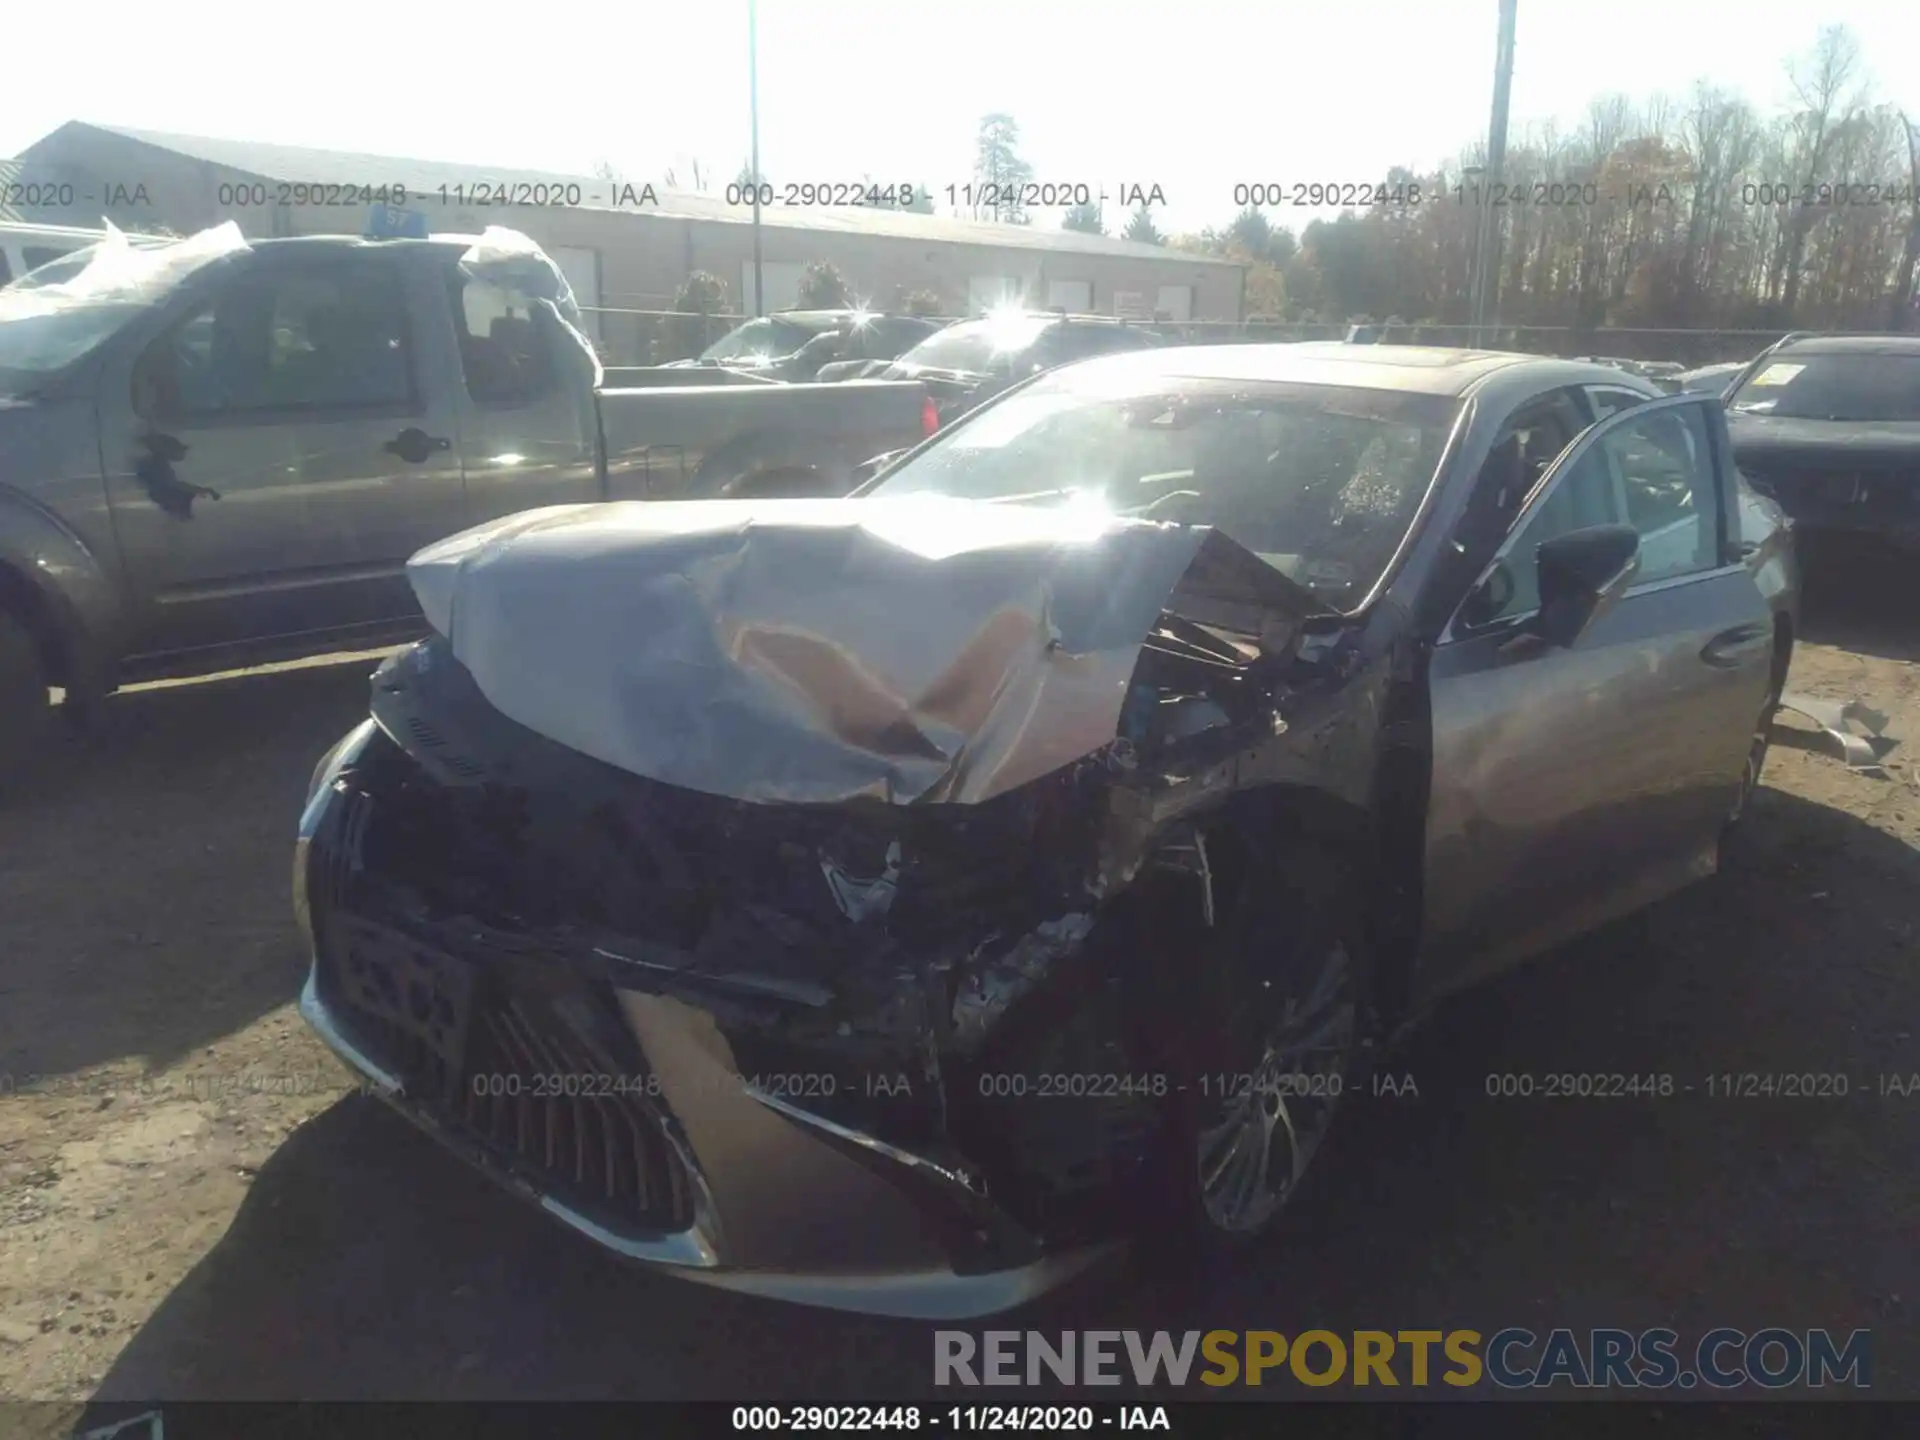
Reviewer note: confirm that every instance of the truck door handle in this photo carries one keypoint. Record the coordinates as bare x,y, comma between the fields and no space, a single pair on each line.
1732,648
415,445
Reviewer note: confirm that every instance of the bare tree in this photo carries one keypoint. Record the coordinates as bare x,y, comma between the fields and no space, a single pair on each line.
1826,87
1900,303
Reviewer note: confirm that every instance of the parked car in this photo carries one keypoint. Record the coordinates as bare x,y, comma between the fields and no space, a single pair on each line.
216,450
1664,373
794,344
895,902
1829,425
1710,379
25,247
973,360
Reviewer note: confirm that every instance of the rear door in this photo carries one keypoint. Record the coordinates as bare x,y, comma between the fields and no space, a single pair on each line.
275,452
1573,785
529,433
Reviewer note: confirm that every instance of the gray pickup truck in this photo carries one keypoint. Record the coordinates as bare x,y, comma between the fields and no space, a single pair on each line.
221,452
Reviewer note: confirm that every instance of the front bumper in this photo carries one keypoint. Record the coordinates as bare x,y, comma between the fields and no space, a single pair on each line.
685,1166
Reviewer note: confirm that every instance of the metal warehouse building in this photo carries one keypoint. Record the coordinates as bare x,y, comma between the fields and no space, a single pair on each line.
624,245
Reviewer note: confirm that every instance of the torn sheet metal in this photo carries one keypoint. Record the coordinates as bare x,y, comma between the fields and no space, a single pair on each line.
120,273
1841,721
987,993
914,649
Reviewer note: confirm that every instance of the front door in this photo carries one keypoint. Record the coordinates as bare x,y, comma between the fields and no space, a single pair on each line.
1573,785
273,457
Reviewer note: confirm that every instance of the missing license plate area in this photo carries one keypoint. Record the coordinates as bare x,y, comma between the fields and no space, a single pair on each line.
418,991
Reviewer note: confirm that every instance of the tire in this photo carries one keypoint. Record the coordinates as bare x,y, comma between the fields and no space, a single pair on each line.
1267,1050
26,719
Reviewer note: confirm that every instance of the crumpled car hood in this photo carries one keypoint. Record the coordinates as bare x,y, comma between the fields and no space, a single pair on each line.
918,649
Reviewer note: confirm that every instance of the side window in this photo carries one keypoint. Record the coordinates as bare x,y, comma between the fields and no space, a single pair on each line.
1090,340
1654,473
506,349
34,256
1606,400
1544,427
323,340
6,270
1668,492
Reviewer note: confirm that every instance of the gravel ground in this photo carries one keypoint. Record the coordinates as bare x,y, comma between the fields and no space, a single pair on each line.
192,1204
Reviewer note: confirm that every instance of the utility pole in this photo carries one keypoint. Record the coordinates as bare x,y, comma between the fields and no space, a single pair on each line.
753,115
1486,261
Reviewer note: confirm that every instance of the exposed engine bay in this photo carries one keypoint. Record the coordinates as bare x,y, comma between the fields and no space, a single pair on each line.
914,974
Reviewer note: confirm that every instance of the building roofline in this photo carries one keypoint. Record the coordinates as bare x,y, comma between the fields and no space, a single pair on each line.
299,164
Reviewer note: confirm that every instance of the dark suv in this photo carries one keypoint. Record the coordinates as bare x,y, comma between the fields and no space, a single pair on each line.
974,360
1829,426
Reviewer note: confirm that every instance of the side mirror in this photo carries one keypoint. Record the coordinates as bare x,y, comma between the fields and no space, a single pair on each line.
1581,575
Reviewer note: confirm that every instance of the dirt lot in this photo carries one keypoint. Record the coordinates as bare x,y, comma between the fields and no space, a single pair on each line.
193,1205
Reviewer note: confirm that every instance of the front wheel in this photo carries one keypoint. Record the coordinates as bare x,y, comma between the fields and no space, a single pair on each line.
1279,1033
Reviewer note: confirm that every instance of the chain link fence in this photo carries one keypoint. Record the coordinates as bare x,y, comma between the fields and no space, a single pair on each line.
654,337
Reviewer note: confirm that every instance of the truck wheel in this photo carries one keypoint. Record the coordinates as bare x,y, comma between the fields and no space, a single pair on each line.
25,716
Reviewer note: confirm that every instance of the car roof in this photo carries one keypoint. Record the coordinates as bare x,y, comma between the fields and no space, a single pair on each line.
817,319
1851,345
1422,369
1047,317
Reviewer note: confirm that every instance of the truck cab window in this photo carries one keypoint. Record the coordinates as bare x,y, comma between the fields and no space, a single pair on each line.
506,344
35,256
319,340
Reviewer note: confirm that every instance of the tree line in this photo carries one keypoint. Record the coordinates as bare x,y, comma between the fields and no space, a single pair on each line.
1698,213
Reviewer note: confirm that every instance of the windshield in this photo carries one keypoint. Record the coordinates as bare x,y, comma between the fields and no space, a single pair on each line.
35,347
759,340
47,324
973,345
1856,386
1321,481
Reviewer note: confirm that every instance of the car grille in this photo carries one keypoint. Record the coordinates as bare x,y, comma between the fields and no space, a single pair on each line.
592,1138
508,1069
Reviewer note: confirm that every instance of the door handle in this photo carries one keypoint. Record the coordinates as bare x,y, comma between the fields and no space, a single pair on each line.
415,445
1732,648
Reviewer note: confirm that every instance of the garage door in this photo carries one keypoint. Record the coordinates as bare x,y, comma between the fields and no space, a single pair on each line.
582,269
1175,302
1073,296
779,285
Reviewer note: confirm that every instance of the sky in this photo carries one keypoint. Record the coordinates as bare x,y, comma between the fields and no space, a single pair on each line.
1194,96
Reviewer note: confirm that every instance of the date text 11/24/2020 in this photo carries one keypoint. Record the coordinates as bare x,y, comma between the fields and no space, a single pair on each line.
959,1418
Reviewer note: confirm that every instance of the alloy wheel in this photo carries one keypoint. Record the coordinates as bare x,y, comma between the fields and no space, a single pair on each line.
1267,1124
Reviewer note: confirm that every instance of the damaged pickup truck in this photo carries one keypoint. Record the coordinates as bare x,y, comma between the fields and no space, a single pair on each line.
897,902
216,451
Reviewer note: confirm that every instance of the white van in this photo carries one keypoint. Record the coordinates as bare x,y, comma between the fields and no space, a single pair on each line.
27,247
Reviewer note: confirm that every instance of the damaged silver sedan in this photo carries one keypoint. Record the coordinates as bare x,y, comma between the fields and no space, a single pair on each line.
897,902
